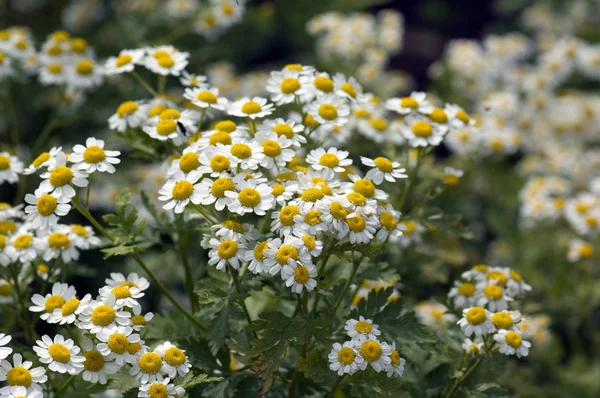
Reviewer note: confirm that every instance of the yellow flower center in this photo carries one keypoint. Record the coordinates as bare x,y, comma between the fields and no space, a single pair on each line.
127,108
249,197
466,289
19,376
5,289
58,240
94,361
219,163
169,113
480,268
220,186
43,157
241,151
61,176
439,116
356,223
312,195
328,111
182,190
46,205
329,160
278,190
23,242
166,126
43,268
156,110
502,320
59,353
207,96
287,213
166,61
284,129
251,108
70,306
378,124
138,320
309,242
103,315
271,148
463,116
188,162
422,129
515,275
310,121
356,198
364,187
289,85
226,125
220,137
55,50
476,316
388,221
338,211
296,67
450,179
285,253
174,356
363,327
2,242
313,217
60,35
158,390
408,102
346,355
78,45
324,84
123,60
118,343
498,276
227,249
370,350
150,363
79,230
4,162
94,154
121,292
513,339
259,250
395,357
85,67
301,274
53,302
134,348
349,89
493,292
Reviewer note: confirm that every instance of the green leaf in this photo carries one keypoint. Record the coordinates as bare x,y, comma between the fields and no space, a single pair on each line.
121,250
373,304
314,366
190,380
486,390
219,327
372,384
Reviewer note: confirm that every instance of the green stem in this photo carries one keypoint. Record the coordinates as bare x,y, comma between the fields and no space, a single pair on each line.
189,282
411,183
65,385
87,195
292,390
29,331
463,377
143,83
162,83
355,266
238,289
205,214
41,139
201,119
84,212
335,385
12,114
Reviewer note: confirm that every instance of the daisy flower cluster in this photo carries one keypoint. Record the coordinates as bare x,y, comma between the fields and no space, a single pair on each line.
486,296
365,350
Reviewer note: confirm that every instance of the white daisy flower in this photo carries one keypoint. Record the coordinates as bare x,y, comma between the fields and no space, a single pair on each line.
92,157
20,392
226,251
257,257
167,125
312,245
451,176
228,12
284,192
129,115
246,155
250,198
162,389
133,280
328,110
59,354
320,84
124,62
83,237
166,60
205,97
382,169
176,363
57,244
192,80
188,162
512,343
359,203
147,367
285,220
416,102
286,85
457,117
420,133
7,211
507,320
61,294
347,87
516,285
310,221
471,347
10,168
138,320
361,228
127,296
494,297
44,159
216,161
96,366
362,329
44,209
281,253
53,73
115,344
390,226
252,108
4,340
230,229
21,247
463,294
5,290
20,373
328,162
299,276
275,149
335,210
215,191
289,129
374,353
100,315
68,312
396,367
344,359
84,74
476,320
181,190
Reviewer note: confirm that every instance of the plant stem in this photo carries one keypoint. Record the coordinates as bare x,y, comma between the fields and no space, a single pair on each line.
12,114
189,282
143,83
356,264
336,384
201,119
41,139
411,183
87,195
84,212
65,384
296,377
162,82
208,217
236,282
464,377
29,331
